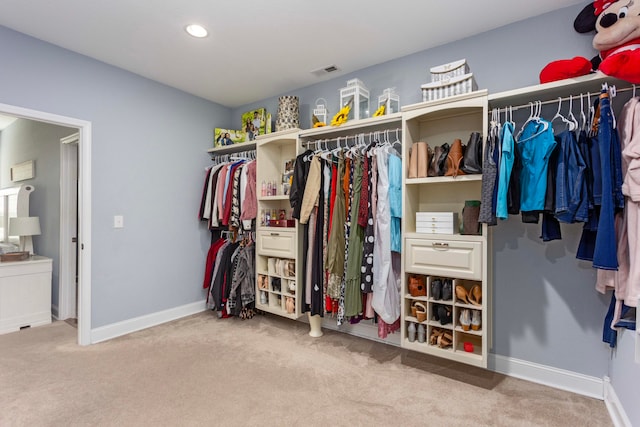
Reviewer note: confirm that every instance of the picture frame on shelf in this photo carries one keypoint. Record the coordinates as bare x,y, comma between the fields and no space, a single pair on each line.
254,123
223,137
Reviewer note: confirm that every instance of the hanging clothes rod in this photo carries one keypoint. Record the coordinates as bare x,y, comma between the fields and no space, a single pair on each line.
383,134
249,155
568,98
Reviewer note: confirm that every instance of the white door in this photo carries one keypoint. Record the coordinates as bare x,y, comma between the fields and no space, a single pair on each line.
68,275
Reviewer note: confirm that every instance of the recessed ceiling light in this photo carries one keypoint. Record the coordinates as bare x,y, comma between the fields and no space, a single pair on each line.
196,30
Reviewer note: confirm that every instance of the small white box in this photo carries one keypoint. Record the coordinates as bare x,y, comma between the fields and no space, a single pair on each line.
437,217
447,71
448,87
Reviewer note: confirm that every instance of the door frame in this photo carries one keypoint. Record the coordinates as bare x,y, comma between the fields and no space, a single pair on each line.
67,295
84,207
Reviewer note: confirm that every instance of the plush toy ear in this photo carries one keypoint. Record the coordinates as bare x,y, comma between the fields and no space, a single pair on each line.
586,20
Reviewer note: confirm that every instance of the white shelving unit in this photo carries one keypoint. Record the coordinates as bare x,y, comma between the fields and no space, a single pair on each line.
276,244
461,259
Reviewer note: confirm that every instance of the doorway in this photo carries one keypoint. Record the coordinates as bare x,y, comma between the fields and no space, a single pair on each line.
83,206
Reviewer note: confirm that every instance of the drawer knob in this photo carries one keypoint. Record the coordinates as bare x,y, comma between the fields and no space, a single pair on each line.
439,245
275,234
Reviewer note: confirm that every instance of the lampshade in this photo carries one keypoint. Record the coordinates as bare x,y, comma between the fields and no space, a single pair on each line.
24,226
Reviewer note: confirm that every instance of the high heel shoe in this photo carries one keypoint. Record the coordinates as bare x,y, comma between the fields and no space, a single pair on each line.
476,321
454,159
445,340
461,294
465,319
475,295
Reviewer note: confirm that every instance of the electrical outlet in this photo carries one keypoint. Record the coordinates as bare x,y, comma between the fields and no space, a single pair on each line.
118,221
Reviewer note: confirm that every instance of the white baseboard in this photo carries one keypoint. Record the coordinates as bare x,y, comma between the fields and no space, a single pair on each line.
125,327
547,375
614,406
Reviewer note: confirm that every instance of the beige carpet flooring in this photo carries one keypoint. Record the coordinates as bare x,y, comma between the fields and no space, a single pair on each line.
204,371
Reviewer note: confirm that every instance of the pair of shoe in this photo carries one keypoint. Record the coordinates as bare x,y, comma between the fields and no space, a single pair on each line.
441,338
473,296
470,319
285,267
442,314
441,289
263,282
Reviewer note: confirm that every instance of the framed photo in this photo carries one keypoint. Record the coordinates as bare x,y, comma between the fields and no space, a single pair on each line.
222,137
254,123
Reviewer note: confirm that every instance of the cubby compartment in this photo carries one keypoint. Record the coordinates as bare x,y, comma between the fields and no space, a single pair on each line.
468,344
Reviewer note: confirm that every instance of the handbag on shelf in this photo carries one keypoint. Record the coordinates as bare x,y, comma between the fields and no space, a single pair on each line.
472,160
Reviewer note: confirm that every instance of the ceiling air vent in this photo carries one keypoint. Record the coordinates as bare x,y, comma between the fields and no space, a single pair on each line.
324,70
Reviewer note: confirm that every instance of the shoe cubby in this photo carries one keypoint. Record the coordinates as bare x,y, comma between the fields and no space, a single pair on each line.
276,278
440,252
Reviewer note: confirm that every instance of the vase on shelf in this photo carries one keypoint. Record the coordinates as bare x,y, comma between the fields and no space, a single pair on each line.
288,113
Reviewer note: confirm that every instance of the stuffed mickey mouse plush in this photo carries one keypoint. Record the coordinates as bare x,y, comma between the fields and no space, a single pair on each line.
617,26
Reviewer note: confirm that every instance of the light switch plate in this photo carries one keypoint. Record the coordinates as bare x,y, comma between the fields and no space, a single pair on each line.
118,221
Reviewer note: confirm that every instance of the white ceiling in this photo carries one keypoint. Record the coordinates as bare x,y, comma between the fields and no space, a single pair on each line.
257,49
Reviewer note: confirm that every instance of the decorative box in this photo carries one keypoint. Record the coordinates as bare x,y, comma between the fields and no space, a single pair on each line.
282,223
14,256
446,217
450,70
448,87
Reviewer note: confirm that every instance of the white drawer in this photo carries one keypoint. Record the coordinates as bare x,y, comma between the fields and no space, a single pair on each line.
449,258
277,243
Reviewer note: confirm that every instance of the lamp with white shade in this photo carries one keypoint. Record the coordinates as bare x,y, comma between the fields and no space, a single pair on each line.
25,227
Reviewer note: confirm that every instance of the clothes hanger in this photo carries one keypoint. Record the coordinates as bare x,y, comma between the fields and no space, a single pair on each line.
583,117
572,119
531,118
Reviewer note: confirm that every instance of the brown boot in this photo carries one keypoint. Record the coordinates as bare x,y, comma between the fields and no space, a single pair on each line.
413,161
454,159
423,159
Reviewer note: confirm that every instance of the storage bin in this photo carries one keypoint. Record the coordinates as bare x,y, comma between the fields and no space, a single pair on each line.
448,87
450,70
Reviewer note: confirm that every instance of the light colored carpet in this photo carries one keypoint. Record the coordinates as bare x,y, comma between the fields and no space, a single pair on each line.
204,371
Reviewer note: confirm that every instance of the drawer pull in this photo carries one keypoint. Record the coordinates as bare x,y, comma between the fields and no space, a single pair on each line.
275,234
439,245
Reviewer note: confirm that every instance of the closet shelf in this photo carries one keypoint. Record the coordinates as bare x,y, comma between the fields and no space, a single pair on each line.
275,135
269,198
235,148
445,102
443,179
348,128
470,331
548,91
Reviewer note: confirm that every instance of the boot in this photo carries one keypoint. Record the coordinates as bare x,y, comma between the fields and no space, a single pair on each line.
423,159
433,164
413,161
472,162
454,159
442,160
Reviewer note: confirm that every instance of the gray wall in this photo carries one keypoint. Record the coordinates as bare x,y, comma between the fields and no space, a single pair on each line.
30,140
625,375
149,146
545,307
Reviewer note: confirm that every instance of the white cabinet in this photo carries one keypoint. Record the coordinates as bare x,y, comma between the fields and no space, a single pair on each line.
25,293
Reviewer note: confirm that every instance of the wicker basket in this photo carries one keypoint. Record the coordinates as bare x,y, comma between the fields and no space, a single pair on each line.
448,87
